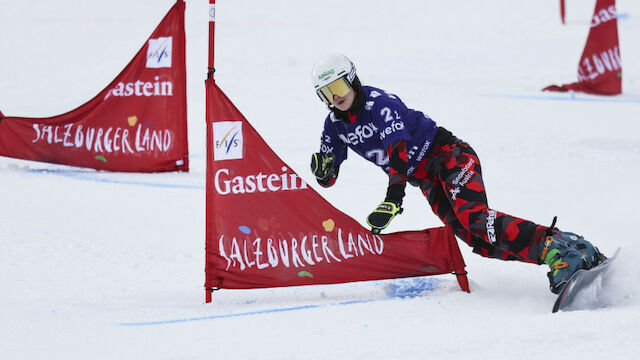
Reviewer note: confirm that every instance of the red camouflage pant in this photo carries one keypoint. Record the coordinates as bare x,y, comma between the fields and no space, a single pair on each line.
451,180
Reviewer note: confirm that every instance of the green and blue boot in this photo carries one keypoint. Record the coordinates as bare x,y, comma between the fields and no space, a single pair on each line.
566,253
563,261
591,256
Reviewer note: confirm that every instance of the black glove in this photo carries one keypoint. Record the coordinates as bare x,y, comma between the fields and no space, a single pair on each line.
382,216
322,166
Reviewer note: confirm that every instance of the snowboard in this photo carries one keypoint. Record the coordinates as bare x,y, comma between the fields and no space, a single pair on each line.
584,290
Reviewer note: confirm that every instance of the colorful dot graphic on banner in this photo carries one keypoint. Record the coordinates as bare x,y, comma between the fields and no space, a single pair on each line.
101,158
305,274
132,120
263,224
244,229
328,225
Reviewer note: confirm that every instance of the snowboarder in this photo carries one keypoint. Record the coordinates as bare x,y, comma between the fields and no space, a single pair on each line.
411,148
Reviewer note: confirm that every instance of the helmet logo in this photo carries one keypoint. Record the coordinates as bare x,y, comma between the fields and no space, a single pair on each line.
352,74
326,74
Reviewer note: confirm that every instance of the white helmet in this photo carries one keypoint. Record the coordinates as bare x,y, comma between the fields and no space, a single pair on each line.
327,71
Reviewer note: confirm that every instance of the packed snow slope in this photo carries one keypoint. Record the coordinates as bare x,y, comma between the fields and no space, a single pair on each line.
110,266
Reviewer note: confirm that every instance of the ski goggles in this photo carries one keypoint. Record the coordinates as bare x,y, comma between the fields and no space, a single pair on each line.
338,87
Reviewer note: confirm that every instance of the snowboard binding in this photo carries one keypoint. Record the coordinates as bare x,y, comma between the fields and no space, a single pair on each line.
566,253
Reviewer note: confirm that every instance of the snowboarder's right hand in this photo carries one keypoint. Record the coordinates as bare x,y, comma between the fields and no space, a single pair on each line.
322,166
382,216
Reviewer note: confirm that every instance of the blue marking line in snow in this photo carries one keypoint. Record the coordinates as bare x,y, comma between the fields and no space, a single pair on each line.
398,289
411,288
258,312
89,177
569,97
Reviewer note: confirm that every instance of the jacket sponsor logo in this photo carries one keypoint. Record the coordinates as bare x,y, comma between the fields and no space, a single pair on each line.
159,52
462,179
422,152
392,128
325,149
227,140
360,133
325,144
454,193
225,184
491,231
465,175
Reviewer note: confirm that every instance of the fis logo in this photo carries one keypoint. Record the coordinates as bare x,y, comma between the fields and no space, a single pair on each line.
227,140
212,12
159,52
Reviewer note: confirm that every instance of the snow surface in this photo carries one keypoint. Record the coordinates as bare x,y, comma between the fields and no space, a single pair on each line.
111,266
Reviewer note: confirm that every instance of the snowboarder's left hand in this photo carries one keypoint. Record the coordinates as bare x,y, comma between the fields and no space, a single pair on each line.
382,216
322,166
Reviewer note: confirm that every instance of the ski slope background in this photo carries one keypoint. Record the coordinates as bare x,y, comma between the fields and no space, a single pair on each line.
106,265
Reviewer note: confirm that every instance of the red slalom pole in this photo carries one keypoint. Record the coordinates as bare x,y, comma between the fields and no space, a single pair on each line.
212,29
210,72
562,11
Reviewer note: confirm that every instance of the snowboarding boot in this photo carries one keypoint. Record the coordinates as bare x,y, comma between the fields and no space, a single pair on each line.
566,253
591,256
563,260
